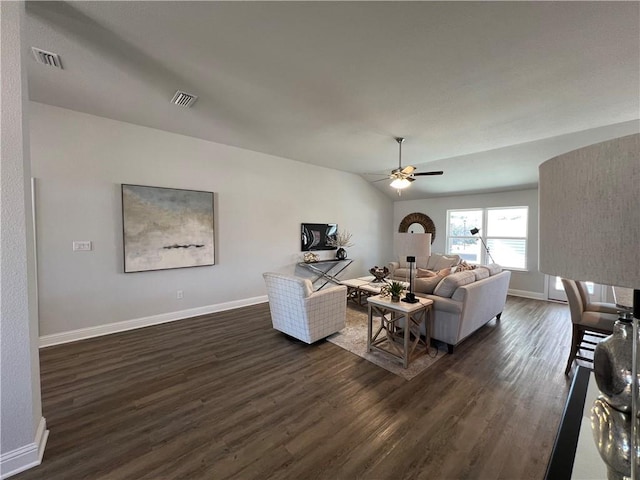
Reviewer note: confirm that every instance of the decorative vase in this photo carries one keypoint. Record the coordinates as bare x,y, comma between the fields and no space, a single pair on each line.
612,414
612,434
395,298
612,363
341,254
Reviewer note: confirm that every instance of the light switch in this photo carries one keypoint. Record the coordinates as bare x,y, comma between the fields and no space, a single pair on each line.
82,245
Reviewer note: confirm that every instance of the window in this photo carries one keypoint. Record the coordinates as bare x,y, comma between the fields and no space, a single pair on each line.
503,231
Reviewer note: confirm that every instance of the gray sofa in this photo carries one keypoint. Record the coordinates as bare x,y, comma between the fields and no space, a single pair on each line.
465,301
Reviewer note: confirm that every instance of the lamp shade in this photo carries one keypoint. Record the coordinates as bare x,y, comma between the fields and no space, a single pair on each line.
414,244
589,207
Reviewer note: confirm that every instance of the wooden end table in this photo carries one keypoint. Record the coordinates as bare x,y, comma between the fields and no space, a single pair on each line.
387,338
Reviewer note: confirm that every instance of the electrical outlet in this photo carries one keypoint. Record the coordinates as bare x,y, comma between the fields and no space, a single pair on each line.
179,294
82,246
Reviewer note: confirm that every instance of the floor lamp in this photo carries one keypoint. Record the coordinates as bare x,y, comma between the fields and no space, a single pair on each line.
589,219
474,231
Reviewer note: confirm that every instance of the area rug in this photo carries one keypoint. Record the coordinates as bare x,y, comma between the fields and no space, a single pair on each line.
354,339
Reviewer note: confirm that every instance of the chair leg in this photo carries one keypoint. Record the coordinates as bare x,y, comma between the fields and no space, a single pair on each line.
576,337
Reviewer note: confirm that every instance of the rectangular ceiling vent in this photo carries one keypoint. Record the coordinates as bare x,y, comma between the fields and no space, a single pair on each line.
184,99
47,58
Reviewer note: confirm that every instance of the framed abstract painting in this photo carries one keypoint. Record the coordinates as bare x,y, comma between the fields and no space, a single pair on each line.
166,228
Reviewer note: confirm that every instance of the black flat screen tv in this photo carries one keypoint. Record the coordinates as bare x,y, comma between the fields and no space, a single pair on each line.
316,235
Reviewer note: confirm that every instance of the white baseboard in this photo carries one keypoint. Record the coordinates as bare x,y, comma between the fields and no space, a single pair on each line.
25,457
90,332
527,294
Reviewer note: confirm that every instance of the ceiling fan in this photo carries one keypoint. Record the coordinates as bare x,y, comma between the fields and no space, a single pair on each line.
400,177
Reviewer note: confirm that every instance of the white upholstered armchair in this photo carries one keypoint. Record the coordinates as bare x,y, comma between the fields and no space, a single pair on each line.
302,313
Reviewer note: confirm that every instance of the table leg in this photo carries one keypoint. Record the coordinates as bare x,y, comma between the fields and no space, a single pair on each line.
369,327
428,323
407,334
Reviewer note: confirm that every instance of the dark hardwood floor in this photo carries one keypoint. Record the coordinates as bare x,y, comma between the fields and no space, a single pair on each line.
225,396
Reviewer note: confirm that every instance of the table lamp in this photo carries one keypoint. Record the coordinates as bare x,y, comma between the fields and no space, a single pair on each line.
415,246
589,220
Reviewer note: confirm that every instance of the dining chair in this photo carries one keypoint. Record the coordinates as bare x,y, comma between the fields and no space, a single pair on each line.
593,323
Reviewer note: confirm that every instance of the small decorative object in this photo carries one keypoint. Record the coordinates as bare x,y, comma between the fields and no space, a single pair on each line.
310,257
393,289
379,273
341,240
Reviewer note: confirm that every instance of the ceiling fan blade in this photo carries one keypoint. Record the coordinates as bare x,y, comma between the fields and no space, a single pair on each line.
381,180
440,172
408,170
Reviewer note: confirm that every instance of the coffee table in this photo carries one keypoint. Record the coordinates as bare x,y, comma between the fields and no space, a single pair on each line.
359,289
398,333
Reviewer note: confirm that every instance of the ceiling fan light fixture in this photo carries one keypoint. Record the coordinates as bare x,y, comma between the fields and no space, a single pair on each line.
400,183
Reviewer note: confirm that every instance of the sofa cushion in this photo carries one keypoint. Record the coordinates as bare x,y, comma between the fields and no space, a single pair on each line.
426,285
493,268
438,262
451,282
481,273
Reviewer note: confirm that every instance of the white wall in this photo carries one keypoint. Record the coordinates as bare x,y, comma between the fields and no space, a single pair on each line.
530,283
22,428
79,162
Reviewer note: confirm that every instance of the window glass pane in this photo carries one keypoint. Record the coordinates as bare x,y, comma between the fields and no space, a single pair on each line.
467,248
507,222
510,253
461,221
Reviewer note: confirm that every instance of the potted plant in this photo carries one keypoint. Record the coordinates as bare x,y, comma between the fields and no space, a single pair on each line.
394,289
342,240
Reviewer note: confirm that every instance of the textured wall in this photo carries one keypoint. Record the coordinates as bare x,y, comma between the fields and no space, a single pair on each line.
20,376
80,161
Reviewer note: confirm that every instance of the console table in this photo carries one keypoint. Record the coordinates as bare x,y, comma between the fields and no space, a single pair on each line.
574,454
326,270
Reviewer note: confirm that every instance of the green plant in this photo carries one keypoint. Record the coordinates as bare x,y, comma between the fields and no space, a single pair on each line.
393,288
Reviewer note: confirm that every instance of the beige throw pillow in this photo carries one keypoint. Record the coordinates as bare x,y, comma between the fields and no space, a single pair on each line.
424,273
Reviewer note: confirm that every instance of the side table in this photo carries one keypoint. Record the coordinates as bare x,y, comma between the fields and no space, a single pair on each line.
387,338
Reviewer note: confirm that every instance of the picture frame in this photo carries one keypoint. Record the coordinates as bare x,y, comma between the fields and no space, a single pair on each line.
166,228
315,236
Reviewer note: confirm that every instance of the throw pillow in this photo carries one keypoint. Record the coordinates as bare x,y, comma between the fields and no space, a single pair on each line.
443,262
444,272
463,266
424,273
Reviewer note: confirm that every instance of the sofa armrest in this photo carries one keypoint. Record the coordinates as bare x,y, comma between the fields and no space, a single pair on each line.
443,304
337,291
392,267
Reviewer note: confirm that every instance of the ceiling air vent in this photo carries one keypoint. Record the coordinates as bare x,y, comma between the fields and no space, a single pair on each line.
184,99
47,58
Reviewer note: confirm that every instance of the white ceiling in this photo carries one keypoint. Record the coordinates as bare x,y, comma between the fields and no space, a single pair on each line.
485,91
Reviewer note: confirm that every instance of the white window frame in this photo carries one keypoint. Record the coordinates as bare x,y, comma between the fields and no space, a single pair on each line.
482,237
